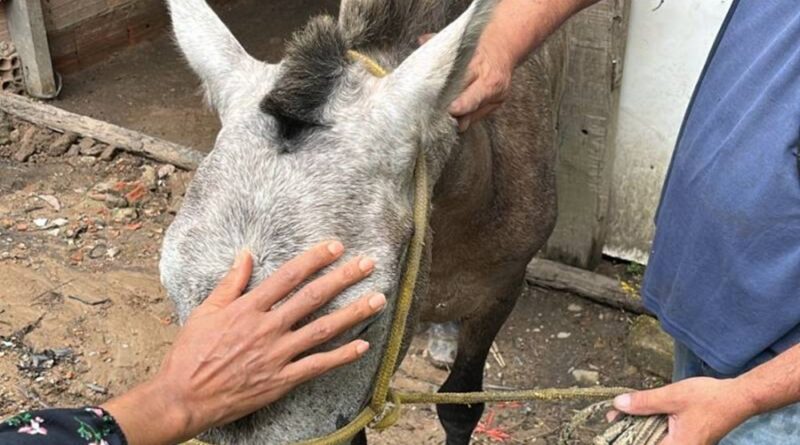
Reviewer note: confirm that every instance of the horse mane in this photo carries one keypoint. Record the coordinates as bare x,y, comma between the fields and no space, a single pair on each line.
316,59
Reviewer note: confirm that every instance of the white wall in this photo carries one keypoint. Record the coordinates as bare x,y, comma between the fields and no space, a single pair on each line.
666,51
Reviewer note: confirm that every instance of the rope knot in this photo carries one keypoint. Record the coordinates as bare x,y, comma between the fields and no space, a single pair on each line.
390,413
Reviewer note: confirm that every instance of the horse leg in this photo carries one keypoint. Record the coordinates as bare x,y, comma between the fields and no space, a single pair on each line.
475,338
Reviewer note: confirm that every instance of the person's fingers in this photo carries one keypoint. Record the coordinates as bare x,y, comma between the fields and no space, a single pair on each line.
612,416
316,294
234,283
316,364
465,122
423,39
326,328
283,281
469,100
645,403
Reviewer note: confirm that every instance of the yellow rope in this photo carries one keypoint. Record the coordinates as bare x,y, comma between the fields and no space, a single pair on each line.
368,62
382,413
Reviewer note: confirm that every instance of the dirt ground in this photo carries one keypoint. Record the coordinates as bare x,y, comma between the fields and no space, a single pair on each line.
83,316
82,313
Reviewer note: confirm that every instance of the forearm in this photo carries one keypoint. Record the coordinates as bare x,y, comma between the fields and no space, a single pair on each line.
147,416
774,384
522,25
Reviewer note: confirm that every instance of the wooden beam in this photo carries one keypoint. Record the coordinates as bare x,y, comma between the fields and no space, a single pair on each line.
587,121
26,25
129,140
598,288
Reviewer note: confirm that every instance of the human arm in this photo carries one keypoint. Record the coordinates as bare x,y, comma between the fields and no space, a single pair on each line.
234,355
517,28
703,410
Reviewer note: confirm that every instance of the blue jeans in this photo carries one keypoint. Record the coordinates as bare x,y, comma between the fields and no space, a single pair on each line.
775,428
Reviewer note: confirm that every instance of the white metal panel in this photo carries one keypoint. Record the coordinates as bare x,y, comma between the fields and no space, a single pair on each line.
667,48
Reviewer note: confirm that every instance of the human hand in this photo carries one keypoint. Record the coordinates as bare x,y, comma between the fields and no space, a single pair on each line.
701,410
487,82
237,354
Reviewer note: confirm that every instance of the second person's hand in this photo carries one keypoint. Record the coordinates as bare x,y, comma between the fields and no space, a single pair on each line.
237,353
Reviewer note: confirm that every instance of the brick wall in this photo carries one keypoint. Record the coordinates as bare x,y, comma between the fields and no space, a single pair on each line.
82,32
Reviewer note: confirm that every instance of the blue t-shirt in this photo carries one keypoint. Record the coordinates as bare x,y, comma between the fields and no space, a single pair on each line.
724,273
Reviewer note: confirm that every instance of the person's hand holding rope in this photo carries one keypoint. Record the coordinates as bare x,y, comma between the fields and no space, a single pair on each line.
701,410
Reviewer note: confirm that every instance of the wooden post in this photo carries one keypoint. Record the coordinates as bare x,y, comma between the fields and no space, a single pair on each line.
26,25
587,122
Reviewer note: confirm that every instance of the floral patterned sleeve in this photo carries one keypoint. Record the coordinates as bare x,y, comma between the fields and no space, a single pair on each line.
86,426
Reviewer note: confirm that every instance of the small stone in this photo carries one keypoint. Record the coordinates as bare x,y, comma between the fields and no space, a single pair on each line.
51,200
574,307
27,146
15,135
76,257
97,388
149,178
95,150
86,145
105,186
73,150
165,170
585,377
124,215
6,223
138,192
113,252
87,161
40,222
59,222
98,251
108,153
563,335
22,227
61,144
115,202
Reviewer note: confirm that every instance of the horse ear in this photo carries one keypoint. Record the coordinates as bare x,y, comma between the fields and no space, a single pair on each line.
210,48
432,76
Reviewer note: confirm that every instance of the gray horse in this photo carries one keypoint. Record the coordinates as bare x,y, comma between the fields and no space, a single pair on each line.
317,148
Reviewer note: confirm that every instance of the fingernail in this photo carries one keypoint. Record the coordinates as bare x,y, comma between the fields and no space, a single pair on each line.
335,248
240,258
622,402
377,301
366,264
362,347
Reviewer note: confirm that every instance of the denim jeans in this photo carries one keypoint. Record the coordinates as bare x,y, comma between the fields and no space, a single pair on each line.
775,428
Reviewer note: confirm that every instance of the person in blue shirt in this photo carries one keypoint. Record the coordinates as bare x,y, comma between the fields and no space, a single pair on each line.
724,272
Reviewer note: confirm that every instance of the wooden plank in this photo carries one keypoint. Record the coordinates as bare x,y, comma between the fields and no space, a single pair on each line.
587,121
60,120
26,25
595,287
